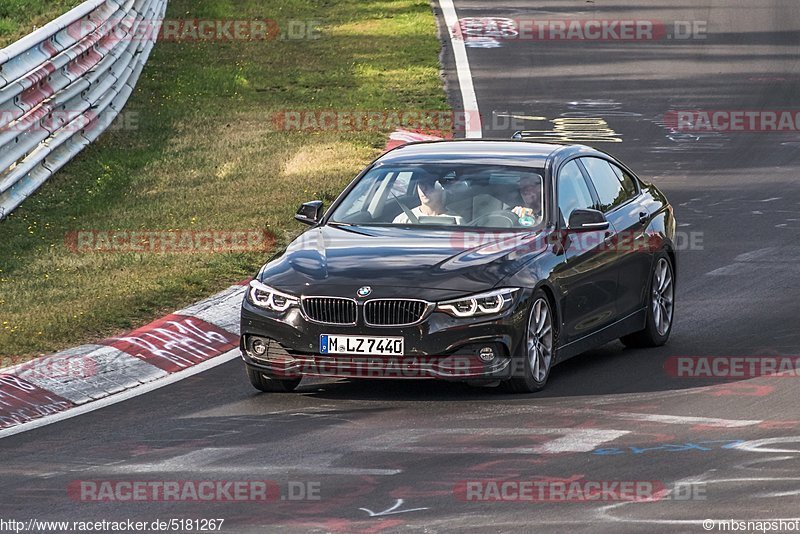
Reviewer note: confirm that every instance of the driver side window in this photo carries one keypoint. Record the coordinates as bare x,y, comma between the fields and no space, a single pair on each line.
573,193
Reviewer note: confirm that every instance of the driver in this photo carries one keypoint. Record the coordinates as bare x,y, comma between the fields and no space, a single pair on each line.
530,189
432,199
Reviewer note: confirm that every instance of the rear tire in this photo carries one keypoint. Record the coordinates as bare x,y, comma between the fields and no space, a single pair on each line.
660,307
539,350
271,385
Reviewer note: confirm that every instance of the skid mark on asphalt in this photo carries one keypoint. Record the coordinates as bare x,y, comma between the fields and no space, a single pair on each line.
778,210
420,440
392,510
784,258
621,413
228,460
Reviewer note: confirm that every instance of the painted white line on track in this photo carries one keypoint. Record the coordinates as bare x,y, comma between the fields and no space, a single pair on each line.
468,99
393,510
758,445
663,418
687,420
129,394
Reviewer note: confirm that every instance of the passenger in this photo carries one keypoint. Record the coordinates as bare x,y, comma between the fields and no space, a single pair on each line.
531,210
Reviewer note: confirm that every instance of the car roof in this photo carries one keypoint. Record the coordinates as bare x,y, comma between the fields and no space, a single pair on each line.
493,152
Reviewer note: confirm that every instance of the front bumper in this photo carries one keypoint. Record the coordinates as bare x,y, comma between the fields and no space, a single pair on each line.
440,347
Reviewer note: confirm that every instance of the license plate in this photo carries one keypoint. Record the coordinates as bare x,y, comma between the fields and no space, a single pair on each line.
384,346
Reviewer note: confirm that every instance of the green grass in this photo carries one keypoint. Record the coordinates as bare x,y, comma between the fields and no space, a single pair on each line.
20,17
205,155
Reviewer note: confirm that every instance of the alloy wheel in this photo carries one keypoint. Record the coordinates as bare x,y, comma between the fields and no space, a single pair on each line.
540,340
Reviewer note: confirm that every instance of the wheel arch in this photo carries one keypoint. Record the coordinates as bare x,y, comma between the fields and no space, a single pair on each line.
550,294
670,252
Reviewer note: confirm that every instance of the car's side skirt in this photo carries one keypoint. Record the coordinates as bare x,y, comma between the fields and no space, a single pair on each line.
627,325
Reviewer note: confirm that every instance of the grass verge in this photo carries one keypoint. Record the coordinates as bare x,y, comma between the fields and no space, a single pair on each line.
197,149
20,17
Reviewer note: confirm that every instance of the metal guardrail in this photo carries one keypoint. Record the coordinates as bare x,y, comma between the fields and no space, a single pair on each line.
63,85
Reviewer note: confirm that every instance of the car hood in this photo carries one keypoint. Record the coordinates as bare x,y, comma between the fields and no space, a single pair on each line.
397,261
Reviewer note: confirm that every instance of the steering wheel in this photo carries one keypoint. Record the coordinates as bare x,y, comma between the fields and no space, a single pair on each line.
505,219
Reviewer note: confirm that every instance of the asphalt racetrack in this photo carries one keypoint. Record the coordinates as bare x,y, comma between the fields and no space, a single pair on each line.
370,456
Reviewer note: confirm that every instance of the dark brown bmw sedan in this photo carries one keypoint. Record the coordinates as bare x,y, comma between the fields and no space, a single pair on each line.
482,261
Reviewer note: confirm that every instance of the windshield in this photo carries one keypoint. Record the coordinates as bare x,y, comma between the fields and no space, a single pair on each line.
483,196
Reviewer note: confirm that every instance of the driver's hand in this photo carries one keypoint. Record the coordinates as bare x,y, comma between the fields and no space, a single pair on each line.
521,211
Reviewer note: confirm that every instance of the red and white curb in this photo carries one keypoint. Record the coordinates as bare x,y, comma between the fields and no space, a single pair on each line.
401,137
159,353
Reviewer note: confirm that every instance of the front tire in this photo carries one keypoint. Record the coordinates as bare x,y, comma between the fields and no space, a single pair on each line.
271,385
539,356
660,307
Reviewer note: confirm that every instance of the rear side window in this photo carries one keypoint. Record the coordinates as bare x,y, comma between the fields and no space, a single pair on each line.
628,181
573,193
606,182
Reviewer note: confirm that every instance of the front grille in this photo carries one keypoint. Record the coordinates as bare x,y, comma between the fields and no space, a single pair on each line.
394,312
330,310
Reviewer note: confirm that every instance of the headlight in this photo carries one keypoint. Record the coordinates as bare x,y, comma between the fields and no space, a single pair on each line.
489,303
268,298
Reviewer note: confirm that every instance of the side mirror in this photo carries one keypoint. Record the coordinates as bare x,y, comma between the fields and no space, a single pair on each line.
587,220
310,212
